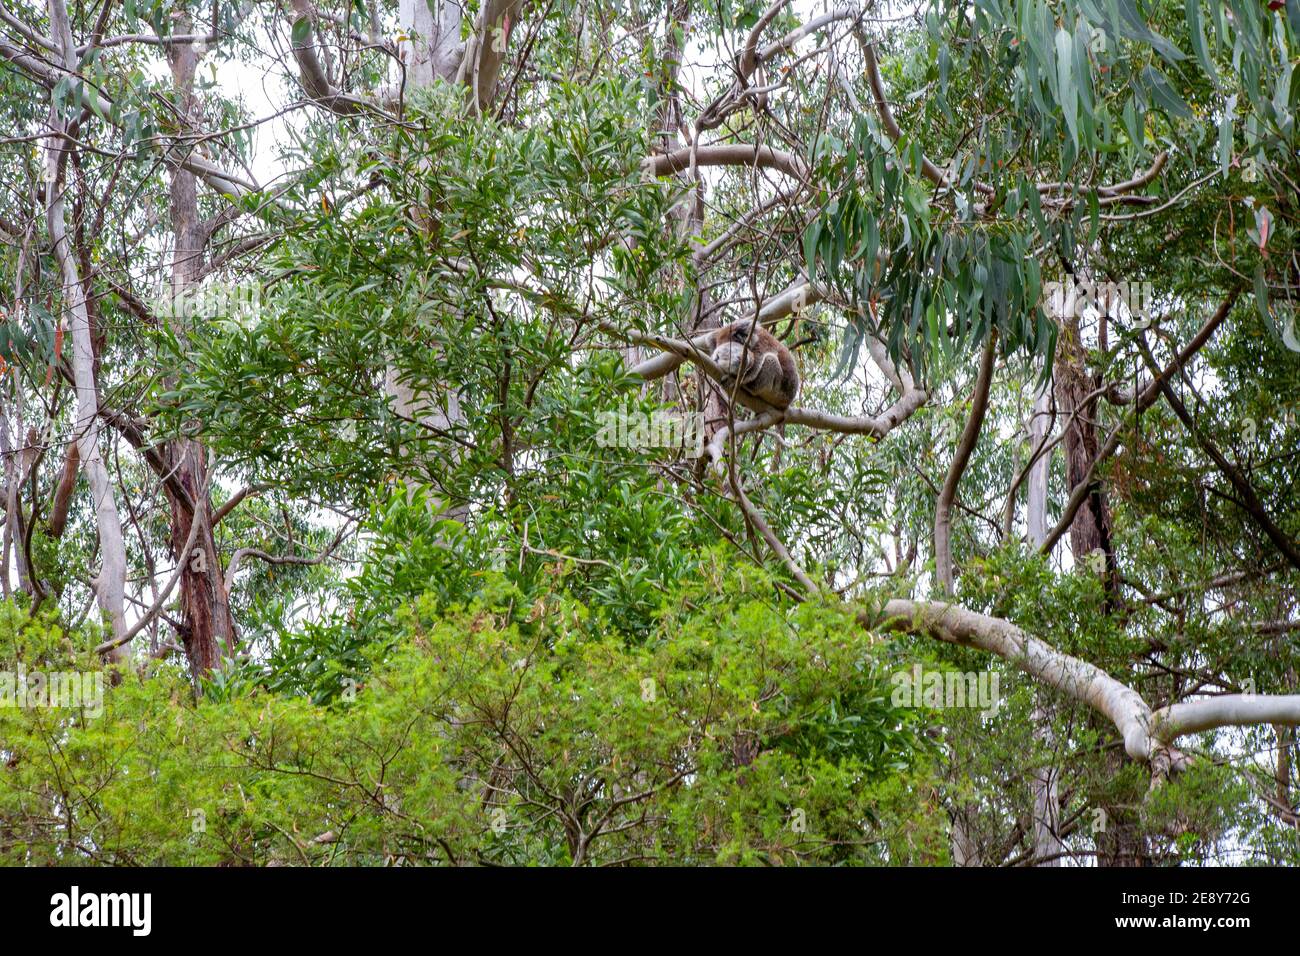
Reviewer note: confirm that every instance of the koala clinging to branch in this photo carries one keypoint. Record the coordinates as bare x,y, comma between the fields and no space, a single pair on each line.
746,351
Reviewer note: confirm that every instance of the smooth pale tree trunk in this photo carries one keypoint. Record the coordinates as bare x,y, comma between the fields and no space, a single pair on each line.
432,48
14,466
431,52
965,851
110,582
1048,846
1036,512
11,500
14,457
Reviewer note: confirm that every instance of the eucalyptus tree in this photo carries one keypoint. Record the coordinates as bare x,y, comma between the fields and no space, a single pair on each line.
491,222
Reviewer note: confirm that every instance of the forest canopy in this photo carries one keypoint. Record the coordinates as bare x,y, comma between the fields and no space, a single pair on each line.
393,471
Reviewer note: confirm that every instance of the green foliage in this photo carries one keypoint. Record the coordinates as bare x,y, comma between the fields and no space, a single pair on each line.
738,732
602,663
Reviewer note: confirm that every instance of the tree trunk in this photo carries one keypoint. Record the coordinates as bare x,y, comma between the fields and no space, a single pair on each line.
207,628
1122,842
432,52
1090,531
110,582
1048,846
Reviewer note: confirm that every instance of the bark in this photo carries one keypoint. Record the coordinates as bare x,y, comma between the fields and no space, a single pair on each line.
1036,507
486,50
1141,399
207,628
965,448
1121,843
12,504
110,582
965,849
1149,736
58,519
433,51
12,454
1048,846
739,154
1091,529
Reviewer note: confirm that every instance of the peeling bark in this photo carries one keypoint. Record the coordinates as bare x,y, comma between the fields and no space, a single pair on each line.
207,627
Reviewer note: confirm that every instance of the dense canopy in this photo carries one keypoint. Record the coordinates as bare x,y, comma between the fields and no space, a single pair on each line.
370,472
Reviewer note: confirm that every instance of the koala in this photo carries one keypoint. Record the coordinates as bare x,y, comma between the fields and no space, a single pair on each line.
747,352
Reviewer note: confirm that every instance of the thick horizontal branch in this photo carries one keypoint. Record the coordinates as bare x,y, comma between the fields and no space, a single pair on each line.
1117,189
150,39
877,426
1148,736
731,154
660,365
1077,679
1230,710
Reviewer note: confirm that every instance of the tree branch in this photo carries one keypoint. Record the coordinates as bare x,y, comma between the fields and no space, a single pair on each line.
1148,736
1144,399
730,154
1249,500
969,437
279,559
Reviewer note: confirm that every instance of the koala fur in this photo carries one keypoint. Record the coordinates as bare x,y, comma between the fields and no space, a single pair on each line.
747,352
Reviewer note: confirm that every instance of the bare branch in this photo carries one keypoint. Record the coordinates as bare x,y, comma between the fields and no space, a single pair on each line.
731,154
235,499
1249,500
314,81
1144,399
280,559
970,435
163,595
931,171
773,542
